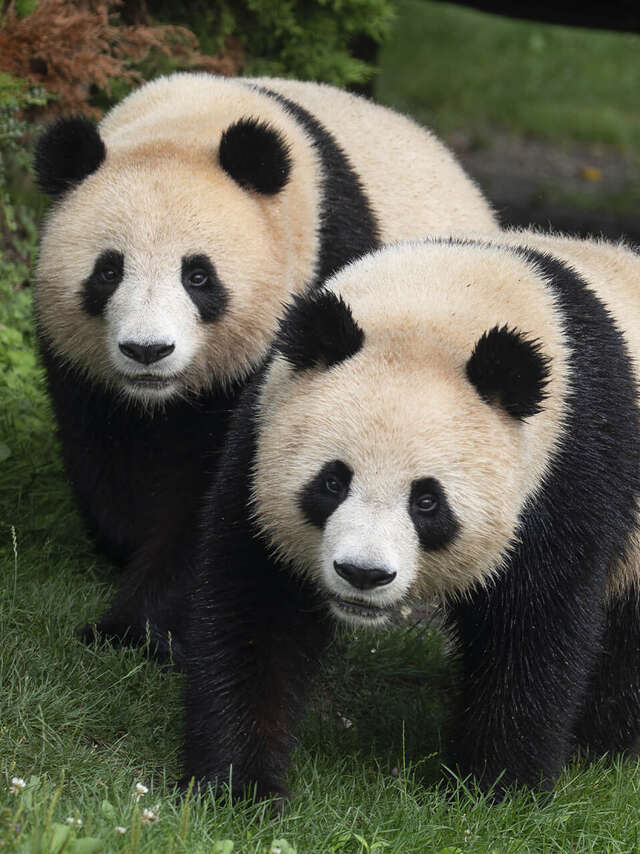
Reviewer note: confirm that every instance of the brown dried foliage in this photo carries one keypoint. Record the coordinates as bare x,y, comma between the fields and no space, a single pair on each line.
68,46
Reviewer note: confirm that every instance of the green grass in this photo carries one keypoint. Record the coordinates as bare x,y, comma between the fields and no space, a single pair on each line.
454,68
83,724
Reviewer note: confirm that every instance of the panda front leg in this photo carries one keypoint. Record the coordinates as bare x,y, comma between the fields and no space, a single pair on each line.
150,604
610,719
528,646
254,642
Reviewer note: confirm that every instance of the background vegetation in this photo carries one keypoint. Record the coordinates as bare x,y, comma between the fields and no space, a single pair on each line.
82,725
456,69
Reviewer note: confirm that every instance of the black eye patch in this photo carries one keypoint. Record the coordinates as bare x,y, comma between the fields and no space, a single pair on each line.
434,521
201,282
325,492
108,272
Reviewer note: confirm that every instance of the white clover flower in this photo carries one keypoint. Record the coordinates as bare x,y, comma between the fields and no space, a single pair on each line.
121,830
17,785
74,822
141,790
346,723
149,816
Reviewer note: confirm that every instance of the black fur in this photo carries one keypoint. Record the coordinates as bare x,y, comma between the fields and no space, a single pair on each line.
608,722
438,527
507,367
138,479
201,282
256,156
103,282
68,151
255,638
325,492
318,329
530,642
535,645
348,227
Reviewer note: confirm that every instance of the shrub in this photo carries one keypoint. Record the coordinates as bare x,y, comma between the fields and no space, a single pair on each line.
309,39
21,404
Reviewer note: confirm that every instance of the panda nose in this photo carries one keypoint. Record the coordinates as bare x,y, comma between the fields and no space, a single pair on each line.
363,577
147,354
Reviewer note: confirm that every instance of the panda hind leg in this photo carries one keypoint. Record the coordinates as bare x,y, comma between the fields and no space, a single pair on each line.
610,718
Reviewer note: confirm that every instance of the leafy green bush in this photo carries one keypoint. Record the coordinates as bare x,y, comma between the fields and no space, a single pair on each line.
310,39
22,405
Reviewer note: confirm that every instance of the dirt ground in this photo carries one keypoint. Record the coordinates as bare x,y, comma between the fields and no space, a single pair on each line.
578,189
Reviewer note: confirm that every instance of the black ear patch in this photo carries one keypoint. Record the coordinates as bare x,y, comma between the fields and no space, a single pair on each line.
318,329
67,152
256,156
508,368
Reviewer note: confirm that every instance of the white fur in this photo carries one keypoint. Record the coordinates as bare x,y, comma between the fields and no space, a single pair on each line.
369,534
151,306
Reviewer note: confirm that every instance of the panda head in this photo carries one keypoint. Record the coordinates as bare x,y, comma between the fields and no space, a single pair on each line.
163,263
397,445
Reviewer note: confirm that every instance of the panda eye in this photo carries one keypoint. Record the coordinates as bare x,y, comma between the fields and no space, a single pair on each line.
333,485
197,278
109,274
426,504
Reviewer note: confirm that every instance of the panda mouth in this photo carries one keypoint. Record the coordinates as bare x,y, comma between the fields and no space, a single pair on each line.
149,381
357,608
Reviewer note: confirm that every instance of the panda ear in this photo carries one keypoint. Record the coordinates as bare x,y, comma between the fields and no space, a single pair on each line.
256,156
507,368
318,329
67,152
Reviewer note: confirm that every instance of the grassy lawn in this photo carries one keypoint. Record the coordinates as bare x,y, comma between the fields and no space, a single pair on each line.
82,725
455,68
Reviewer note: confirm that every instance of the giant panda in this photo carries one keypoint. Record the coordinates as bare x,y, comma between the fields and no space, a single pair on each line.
453,418
180,225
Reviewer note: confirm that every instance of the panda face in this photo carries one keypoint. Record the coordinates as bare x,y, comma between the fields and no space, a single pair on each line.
160,276
152,334
393,486
402,428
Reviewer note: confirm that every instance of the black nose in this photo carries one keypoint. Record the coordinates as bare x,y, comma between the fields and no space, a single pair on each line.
147,354
363,577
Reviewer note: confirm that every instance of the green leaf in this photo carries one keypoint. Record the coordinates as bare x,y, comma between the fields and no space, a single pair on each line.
57,841
108,810
88,845
223,846
5,452
25,7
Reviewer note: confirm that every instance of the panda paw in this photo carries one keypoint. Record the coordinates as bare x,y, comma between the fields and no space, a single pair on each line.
164,651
